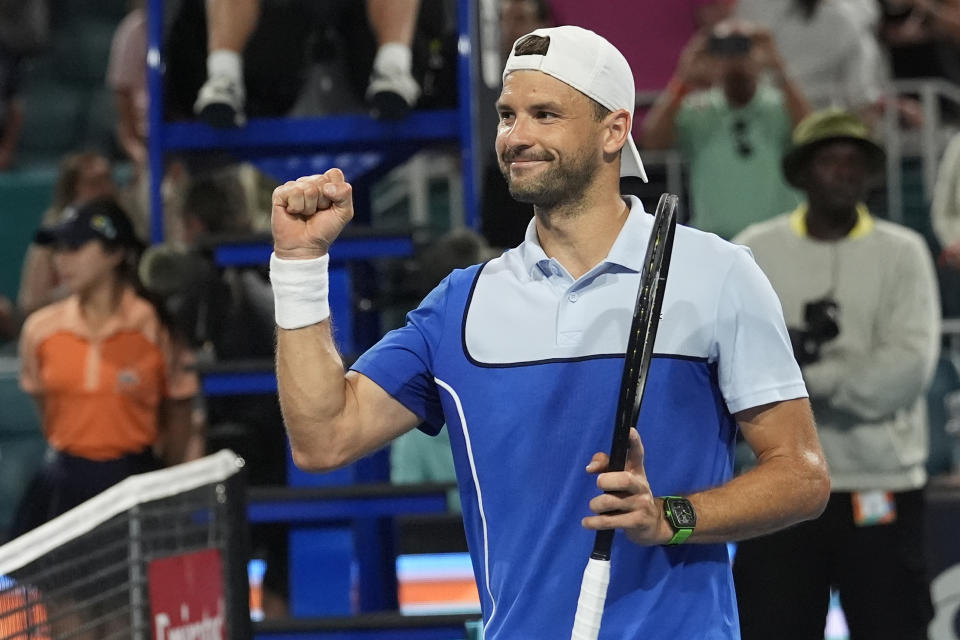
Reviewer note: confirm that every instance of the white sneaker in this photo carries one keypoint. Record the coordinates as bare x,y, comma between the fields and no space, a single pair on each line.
220,102
392,95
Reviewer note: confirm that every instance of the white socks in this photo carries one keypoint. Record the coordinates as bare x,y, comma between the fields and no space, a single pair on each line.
393,58
224,62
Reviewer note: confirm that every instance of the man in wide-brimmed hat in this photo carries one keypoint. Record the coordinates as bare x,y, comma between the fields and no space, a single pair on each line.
860,297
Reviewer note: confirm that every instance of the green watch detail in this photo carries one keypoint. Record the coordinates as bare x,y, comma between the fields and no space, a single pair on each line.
680,516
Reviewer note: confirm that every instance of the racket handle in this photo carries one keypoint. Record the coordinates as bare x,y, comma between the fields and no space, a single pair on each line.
593,593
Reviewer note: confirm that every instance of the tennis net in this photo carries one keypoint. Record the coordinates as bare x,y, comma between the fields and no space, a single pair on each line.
160,555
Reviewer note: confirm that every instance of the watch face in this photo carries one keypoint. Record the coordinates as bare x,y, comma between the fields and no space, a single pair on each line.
683,514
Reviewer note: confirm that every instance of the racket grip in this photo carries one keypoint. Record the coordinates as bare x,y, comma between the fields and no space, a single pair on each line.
593,593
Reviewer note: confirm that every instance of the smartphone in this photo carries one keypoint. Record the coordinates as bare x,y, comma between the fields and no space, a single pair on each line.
735,44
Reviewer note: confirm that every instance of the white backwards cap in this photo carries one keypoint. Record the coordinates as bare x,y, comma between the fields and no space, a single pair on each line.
594,67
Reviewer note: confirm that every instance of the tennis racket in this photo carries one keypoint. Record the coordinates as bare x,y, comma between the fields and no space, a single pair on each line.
643,333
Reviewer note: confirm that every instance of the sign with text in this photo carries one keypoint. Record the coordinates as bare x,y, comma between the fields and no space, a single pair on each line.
186,597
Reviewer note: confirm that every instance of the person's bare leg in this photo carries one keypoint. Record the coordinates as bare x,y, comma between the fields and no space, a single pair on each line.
230,23
393,20
392,89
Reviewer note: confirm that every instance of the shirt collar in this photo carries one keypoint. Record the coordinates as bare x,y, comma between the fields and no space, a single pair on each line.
863,226
627,251
123,317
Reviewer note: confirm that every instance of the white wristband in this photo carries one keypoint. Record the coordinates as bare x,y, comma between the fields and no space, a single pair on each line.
300,290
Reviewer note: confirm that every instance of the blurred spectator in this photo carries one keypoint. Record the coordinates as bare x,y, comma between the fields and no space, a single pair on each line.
503,220
860,299
654,34
238,323
827,49
111,383
923,38
83,176
127,77
230,23
942,17
391,90
734,134
945,210
24,30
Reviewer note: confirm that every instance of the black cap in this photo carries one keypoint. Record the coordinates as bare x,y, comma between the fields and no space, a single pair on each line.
101,219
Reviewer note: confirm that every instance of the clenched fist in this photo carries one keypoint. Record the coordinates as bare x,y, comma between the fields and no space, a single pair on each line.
309,213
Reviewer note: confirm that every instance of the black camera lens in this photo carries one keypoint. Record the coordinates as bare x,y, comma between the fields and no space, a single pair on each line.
822,318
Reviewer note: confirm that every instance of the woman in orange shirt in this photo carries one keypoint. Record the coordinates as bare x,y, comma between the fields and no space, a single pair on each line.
114,391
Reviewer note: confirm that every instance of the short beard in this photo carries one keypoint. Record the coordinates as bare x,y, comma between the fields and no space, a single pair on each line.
560,184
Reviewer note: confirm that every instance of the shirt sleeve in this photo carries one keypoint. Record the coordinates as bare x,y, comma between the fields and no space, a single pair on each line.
402,362
756,365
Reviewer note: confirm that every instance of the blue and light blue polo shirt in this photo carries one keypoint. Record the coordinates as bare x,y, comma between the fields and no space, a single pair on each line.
523,363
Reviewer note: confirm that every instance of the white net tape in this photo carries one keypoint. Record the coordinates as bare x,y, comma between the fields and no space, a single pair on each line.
82,575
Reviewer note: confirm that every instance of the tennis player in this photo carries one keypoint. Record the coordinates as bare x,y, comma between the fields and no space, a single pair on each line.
522,357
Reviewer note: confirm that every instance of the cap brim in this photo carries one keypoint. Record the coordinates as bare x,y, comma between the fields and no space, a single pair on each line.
630,163
63,235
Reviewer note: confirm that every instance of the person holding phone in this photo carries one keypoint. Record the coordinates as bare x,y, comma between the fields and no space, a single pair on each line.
732,134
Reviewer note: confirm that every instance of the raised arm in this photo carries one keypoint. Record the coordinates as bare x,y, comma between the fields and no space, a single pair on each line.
331,418
659,128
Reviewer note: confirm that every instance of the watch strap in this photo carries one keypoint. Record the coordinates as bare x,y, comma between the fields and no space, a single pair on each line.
680,536
680,533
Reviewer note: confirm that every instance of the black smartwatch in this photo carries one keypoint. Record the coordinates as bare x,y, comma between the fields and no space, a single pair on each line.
681,517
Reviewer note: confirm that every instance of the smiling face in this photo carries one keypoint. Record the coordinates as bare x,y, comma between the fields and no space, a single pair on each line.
82,268
549,141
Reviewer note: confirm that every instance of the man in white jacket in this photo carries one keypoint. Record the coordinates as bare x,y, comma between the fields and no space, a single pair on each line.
860,297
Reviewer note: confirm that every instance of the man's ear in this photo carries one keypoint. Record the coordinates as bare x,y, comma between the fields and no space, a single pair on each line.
617,127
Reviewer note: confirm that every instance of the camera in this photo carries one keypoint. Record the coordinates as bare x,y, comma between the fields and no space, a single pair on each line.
734,44
821,325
